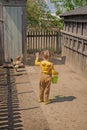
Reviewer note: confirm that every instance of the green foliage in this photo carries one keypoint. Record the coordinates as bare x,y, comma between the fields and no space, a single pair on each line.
38,15
67,5
79,3
34,12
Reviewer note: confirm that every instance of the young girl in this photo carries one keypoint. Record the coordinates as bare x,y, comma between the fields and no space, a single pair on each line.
47,70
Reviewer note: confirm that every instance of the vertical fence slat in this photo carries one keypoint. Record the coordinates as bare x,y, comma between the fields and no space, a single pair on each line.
38,40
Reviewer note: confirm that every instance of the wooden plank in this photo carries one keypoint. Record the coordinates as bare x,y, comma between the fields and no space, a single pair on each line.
1,36
73,20
28,42
74,35
42,39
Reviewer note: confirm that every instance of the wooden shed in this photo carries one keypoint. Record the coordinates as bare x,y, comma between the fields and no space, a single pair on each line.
74,38
12,29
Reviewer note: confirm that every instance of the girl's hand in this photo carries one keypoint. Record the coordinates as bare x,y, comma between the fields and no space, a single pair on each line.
37,55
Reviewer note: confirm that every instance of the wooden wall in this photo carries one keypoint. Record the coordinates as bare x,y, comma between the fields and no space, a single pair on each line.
1,37
14,28
74,41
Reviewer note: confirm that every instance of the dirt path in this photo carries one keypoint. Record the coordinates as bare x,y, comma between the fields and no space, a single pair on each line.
31,112
19,107
68,108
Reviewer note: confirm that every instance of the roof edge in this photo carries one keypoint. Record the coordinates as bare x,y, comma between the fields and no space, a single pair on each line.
77,11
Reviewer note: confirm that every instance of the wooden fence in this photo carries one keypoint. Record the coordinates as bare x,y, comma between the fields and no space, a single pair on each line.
38,40
75,49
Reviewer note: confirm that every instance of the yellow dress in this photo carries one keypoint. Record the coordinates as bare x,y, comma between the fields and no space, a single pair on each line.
46,67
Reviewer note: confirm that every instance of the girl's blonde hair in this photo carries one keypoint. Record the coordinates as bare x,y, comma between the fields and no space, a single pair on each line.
46,54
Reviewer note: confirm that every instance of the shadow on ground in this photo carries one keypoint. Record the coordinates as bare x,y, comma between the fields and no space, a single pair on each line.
62,99
10,116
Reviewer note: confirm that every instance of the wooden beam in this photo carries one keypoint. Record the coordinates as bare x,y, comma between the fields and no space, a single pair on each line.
76,20
74,35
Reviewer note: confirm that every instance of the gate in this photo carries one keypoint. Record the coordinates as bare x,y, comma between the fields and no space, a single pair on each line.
1,36
38,40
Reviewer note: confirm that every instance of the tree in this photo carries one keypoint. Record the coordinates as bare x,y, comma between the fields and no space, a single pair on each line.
35,11
38,15
67,5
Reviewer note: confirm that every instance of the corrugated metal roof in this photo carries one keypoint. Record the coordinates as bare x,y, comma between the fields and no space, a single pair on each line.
77,11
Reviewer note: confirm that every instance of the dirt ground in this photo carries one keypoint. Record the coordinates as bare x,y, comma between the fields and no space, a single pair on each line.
68,107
